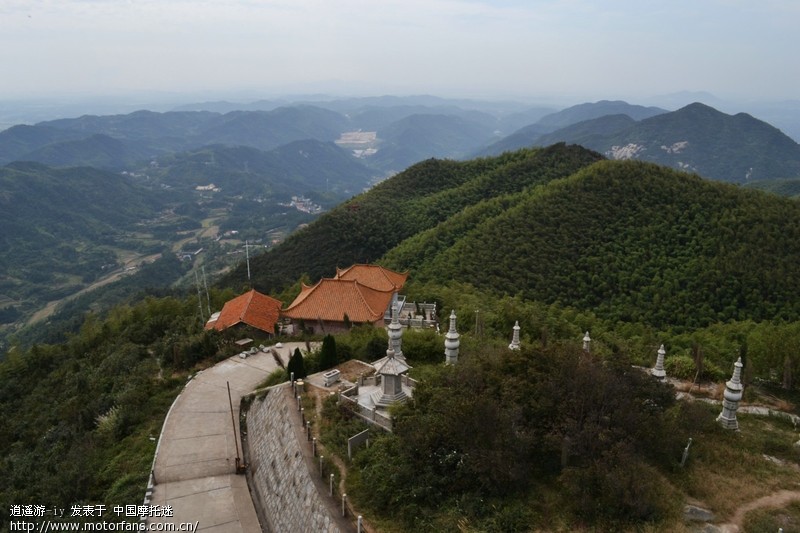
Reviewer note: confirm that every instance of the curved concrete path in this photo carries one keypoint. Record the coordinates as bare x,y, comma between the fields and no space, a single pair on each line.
195,463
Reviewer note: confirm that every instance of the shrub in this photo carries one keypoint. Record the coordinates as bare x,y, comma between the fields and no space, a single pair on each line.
680,366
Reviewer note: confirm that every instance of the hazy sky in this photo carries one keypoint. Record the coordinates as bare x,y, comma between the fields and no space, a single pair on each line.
569,49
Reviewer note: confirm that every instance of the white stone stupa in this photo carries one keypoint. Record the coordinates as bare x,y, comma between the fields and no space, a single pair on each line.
515,337
731,398
451,342
658,370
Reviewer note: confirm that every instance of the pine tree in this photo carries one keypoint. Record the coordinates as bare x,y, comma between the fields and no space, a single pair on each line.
297,365
327,355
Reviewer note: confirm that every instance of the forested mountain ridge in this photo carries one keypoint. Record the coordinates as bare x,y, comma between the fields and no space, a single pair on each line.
367,226
629,241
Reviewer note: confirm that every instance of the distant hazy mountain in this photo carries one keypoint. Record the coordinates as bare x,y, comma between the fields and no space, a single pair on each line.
530,134
419,137
588,131
515,121
222,106
17,141
588,111
292,169
98,150
735,148
191,129
270,129
522,138
139,124
375,118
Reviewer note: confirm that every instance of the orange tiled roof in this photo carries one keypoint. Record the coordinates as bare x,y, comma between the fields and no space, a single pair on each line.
374,276
331,299
251,308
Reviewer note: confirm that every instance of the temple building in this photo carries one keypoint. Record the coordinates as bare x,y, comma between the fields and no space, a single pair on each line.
249,311
360,294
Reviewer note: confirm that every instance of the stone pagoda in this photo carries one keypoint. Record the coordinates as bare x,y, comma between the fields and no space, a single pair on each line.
391,370
451,342
732,397
587,341
515,337
658,370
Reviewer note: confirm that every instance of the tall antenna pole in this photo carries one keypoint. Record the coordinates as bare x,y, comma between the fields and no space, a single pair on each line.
247,252
205,284
199,297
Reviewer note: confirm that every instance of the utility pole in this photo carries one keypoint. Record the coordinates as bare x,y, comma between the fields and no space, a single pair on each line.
247,253
205,285
199,297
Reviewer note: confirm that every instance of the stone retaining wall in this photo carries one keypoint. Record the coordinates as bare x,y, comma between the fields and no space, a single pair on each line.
281,482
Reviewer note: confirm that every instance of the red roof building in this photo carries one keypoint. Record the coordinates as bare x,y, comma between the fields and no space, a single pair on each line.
252,308
374,276
362,293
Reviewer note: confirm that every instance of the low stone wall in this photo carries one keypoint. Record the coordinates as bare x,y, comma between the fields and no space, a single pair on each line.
280,481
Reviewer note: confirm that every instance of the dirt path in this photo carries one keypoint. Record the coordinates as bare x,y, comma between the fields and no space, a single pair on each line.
319,397
776,499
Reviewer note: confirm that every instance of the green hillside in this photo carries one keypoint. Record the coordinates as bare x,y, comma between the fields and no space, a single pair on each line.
781,187
633,242
65,228
41,204
368,226
628,241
